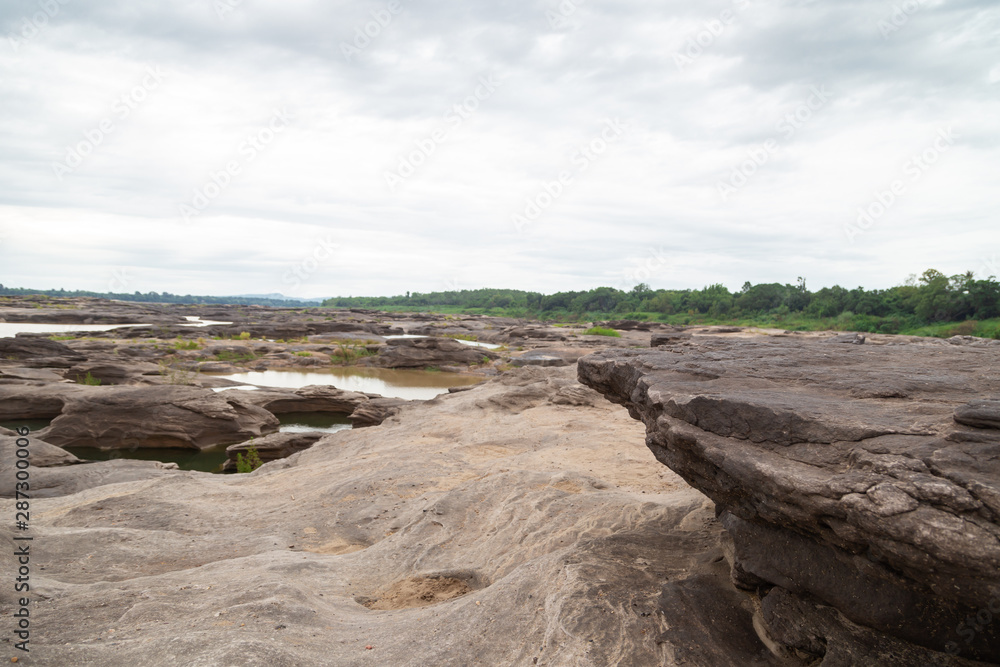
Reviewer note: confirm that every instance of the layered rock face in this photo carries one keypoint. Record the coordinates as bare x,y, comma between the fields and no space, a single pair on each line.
859,484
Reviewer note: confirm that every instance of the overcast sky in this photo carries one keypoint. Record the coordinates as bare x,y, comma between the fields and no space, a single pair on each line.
369,148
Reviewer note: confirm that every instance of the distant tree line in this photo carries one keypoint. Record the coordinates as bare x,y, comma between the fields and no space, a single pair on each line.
930,298
161,297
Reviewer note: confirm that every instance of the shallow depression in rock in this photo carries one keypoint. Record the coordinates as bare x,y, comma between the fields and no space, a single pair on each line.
406,384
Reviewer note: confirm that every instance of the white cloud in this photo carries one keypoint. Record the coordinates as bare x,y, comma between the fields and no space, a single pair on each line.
657,188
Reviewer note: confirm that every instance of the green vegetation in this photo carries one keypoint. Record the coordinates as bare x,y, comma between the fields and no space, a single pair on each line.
89,379
180,344
250,463
244,335
303,354
601,331
930,305
235,357
62,337
348,354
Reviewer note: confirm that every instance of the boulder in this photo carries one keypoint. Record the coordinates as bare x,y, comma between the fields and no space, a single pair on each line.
111,373
375,411
628,325
423,352
20,401
850,338
545,357
165,416
529,331
30,374
880,508
668,338
40,454
38,352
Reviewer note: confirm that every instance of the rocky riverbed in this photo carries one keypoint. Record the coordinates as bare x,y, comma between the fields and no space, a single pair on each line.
820,503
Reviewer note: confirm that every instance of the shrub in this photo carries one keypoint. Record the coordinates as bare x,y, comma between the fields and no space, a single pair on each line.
249,463
349,354
89,379
966,328
244,335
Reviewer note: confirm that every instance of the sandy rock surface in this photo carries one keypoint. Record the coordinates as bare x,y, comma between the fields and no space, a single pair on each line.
521,522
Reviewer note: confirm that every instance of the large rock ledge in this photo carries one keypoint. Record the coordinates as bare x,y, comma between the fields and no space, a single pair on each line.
860,485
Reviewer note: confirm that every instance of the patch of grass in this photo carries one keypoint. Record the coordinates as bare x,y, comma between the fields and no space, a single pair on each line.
303,354
244,335
62,337
602,331
186,345
90,380
250,463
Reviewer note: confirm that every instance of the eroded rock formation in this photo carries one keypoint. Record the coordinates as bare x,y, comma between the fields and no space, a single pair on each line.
858,483
156,416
